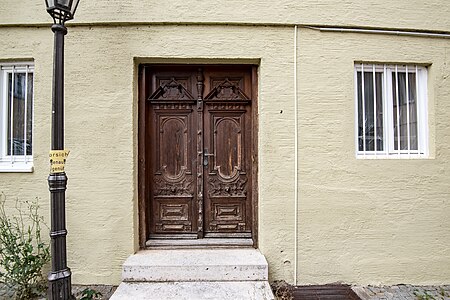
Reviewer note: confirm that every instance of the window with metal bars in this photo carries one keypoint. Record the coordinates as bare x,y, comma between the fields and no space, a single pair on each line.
16,117
391,111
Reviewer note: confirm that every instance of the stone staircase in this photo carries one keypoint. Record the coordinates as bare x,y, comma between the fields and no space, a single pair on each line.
195,274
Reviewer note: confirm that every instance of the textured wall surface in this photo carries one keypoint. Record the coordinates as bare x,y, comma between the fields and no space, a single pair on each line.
101,116
360,221
369,221
415,14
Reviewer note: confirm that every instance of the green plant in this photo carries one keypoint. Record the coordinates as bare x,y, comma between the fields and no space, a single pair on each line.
443,293
90,294
23,254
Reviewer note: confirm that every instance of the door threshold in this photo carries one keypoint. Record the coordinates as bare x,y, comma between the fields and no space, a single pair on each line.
199,243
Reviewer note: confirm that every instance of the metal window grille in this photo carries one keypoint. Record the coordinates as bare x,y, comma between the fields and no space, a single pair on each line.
16,122
391,111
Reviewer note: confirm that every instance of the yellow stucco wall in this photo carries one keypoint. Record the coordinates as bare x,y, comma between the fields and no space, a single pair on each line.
369,221
360,221
412,14
101,116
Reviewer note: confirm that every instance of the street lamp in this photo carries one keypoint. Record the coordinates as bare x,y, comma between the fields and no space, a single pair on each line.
59,278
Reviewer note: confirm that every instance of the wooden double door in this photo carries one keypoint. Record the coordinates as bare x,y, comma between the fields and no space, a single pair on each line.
199,151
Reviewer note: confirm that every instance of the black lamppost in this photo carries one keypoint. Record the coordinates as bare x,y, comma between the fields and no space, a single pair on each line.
59,278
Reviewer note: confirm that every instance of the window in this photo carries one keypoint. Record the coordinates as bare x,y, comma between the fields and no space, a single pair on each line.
16,117
391,110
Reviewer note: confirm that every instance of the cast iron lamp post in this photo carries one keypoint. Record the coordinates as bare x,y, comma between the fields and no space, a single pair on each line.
59,278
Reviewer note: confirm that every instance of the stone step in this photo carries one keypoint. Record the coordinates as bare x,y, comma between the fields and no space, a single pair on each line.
228,290
183,265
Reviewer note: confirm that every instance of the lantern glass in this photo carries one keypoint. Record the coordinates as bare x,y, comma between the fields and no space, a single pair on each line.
62,10
74,7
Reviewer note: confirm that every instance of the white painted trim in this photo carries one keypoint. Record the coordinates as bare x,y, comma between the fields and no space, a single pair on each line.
389,100
356,113
388,112
363,102
3,113
16,167
375,140
424,128
14,163
397,102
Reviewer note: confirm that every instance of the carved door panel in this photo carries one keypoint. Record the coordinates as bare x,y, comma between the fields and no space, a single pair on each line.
227,141
172,151
198,152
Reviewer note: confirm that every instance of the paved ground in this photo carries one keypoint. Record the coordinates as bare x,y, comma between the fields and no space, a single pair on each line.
403,292
284,291
396,292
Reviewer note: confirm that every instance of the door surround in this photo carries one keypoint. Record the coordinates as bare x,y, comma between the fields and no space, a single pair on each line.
143,134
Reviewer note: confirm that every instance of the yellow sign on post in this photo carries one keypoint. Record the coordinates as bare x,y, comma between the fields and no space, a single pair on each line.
58,160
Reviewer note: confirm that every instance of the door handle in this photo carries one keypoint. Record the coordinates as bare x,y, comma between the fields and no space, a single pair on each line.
206,156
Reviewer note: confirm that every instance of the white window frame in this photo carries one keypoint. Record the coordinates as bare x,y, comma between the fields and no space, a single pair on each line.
389,151
14,163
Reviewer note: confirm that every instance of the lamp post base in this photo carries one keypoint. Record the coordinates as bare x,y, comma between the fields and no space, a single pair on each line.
60,286
59,279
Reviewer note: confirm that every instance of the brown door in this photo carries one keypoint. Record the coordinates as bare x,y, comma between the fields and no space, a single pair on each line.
198,151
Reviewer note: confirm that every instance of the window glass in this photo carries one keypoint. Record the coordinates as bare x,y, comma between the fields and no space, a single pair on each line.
370,115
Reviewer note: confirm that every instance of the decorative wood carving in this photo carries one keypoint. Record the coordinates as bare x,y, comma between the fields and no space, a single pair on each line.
172,90
229,211
172,227
234,188
227,147
173,106
227,90
215,227
218,80
174,212
163,187
200,176
223,106
173,147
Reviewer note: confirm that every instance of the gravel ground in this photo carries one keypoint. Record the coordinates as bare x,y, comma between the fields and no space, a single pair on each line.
106,290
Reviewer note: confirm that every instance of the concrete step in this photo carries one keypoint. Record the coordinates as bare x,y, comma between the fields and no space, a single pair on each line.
229,290
183,265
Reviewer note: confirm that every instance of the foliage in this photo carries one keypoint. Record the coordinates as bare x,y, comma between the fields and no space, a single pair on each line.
90,294
23,254
443,293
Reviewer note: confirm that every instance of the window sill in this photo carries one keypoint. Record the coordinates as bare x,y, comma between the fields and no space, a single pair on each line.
392,156
16,168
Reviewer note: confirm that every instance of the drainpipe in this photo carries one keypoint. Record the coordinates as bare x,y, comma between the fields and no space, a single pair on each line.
295,158
382,31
